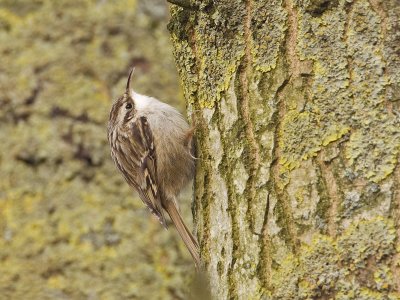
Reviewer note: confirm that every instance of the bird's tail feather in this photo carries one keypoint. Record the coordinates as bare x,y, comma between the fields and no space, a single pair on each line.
184,232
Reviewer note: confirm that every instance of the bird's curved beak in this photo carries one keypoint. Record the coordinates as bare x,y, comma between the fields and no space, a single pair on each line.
128,83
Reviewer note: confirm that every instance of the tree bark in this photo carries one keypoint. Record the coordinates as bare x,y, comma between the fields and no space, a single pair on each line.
296,106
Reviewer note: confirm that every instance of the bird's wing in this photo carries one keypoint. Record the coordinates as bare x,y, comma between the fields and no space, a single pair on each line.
141,154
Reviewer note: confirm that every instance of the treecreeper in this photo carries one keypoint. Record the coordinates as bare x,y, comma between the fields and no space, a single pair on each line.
152,146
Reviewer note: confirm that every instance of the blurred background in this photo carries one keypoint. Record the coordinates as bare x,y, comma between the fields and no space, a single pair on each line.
70,227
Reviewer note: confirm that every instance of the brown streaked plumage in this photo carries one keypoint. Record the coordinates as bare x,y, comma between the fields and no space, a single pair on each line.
151,144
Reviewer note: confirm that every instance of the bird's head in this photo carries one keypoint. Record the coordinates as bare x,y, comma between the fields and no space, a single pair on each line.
123,109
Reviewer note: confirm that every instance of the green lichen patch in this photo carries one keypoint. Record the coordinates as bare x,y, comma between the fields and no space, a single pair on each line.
365,240
356,265
312,275
268,32
209,64
346,93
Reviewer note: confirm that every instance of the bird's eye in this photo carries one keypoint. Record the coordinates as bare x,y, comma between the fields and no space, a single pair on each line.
128,106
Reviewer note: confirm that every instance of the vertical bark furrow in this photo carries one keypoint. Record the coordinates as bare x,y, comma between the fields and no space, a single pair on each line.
333,192
265,263
244,77
285,215
291,40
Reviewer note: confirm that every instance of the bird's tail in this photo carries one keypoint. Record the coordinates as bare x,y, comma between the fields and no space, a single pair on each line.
184,232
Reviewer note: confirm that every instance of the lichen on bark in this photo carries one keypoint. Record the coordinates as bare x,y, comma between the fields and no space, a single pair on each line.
296,105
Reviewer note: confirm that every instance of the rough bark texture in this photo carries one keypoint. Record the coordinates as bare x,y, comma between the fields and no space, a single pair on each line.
296,104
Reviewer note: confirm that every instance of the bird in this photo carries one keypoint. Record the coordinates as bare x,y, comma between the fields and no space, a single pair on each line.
152,145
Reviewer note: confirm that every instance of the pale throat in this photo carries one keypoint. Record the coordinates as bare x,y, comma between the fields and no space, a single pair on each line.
141,101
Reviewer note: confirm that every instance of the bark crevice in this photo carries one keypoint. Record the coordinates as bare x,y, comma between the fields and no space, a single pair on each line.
333,191
245,75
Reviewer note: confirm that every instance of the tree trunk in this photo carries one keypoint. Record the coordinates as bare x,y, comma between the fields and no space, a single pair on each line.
297,112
